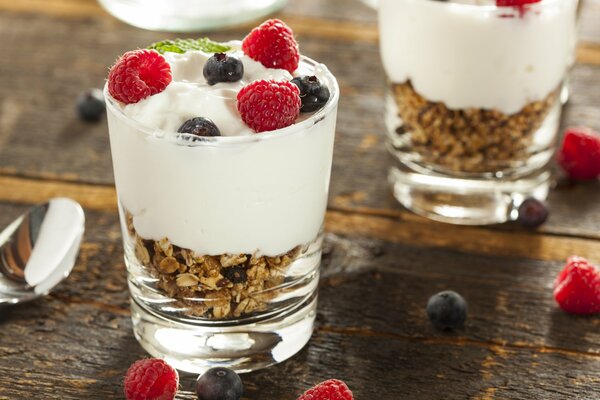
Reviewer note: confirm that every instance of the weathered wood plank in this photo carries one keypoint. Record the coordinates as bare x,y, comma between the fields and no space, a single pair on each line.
371,329
32,191
381,262
41,137
350,21
467,239
385,285
403,228
373,367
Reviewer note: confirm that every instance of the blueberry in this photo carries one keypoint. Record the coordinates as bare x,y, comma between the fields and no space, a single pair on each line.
533,212
219,384
313,93
447,310
223,68
90,105
235,274
199,126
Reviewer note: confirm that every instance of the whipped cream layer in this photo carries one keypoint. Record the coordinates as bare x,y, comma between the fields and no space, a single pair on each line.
470,56
189,96
264,193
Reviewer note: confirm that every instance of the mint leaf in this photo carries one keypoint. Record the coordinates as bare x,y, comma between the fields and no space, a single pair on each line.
182,45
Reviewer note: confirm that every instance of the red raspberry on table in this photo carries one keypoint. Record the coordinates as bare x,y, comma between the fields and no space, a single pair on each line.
137,75
269,105
151,379
579,155
331,389
577,287
273,45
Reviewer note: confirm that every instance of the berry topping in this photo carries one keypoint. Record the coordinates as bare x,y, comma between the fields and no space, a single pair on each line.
273,45
533,212
151,379
514,3
223,68
219,384
331,389
447,310
313,93
269,105
577,287
90,105
579,155
137,75
199,126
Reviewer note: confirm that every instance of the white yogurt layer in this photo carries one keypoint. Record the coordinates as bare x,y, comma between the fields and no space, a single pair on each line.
469,56
264,193
189,95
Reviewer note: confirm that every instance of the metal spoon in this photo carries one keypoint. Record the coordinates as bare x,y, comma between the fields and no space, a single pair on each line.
38,250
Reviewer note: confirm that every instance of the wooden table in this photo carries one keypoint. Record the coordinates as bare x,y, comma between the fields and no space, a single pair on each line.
381,264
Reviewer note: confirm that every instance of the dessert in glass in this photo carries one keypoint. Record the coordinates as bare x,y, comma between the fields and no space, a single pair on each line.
474,102
222,156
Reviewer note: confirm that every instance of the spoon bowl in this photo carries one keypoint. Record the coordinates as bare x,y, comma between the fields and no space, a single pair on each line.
38,250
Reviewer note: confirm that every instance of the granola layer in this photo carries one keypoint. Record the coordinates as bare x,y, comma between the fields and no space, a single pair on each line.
220,286
468,140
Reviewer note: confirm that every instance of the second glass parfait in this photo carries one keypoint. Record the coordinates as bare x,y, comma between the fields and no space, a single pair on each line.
474,102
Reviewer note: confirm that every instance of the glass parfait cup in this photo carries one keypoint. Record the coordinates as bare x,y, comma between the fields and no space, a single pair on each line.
473,103
223,236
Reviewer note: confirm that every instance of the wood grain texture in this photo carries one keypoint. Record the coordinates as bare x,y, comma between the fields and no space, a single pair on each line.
338,19
401,228
43,138
33,191
371,327
68,149
381,262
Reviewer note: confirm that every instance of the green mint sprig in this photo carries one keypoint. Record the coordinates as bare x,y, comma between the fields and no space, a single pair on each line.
182,45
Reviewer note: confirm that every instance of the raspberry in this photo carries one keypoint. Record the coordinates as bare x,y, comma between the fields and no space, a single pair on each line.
577,287
269,105
579,155
273,45
137,75
514,3
331,389
151,379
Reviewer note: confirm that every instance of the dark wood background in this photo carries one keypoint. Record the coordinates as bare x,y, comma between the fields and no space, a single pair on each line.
381,263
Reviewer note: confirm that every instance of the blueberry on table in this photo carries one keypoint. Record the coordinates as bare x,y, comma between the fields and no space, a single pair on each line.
533,213
90,105
313,94
223,68
199,126
219,384
447,310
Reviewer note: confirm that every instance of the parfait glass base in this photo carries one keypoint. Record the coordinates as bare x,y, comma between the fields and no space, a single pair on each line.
465,201
241,347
